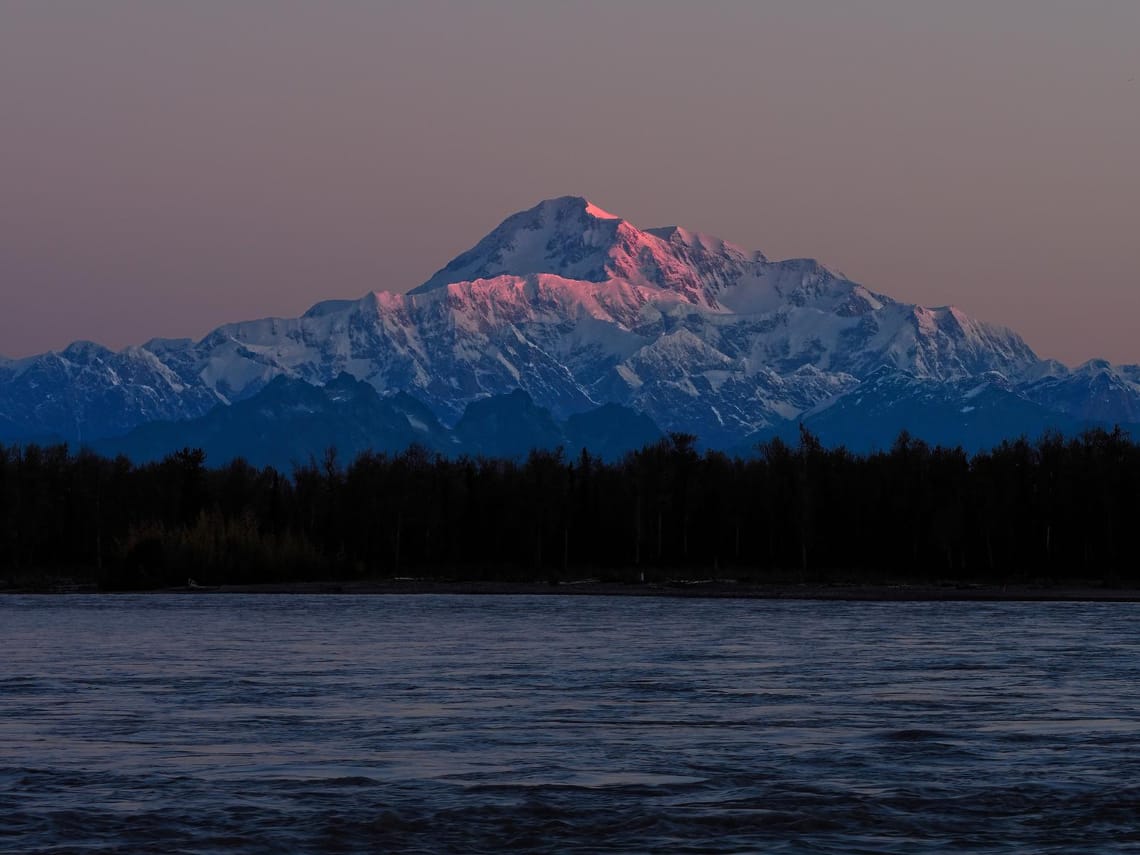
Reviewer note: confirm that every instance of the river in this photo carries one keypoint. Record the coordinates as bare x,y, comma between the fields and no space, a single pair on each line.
206,723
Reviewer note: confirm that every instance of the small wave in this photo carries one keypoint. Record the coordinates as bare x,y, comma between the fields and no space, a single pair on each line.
914,734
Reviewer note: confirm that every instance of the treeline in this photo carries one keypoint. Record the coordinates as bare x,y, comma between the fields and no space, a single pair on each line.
1051,510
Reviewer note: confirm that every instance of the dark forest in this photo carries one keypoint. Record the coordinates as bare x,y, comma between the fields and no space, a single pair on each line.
1051,510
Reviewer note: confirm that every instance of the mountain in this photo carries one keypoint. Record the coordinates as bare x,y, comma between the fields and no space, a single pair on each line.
577,308
88,391
610,431
502,425
290,422
1095,391
976,413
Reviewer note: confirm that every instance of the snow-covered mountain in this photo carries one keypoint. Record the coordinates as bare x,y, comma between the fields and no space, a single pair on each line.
1094,391
578,308
87,391
974,412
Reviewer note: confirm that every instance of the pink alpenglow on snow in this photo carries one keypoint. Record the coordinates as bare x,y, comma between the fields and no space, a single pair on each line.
578,310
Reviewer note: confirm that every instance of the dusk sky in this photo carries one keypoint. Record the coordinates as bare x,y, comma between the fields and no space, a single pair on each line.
167,167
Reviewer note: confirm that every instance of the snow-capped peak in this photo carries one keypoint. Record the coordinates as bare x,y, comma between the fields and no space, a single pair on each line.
577,240
703,243
593,210
569,236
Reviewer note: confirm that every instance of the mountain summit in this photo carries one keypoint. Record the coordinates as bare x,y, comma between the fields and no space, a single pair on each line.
575,239
578,308
568,235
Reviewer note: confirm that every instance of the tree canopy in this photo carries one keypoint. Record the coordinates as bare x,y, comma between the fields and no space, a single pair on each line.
1052,509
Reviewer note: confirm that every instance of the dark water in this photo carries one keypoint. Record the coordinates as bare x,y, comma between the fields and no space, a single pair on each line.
427,724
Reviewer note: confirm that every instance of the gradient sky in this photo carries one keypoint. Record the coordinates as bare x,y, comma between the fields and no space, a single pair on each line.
167,167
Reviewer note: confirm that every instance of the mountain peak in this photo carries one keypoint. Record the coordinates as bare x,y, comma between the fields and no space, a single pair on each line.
571,205
572,238
567,235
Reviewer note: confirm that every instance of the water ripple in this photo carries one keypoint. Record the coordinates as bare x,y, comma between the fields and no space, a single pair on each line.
425,724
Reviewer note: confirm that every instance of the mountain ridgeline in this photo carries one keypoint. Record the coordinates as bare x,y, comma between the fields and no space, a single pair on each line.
590,317
290,422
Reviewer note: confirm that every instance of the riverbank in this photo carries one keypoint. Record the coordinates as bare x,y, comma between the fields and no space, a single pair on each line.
708,589
683,588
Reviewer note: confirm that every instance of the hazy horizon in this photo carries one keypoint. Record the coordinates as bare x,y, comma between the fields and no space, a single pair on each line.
169,168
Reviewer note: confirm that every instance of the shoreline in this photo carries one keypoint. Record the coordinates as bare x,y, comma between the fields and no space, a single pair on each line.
693,590
725,589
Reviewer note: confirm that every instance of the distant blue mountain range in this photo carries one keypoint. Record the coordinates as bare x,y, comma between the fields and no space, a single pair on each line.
290,422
